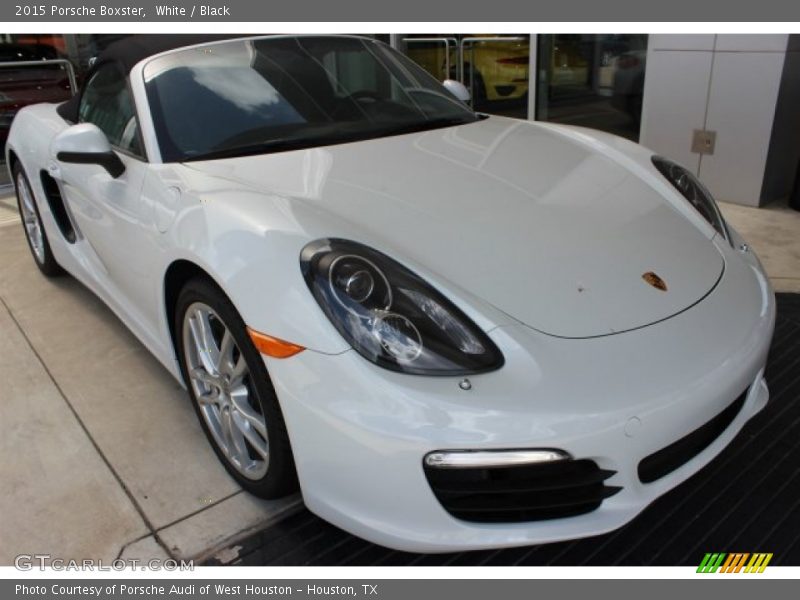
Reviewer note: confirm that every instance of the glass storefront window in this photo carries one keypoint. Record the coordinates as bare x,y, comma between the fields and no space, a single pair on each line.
494,68
594,80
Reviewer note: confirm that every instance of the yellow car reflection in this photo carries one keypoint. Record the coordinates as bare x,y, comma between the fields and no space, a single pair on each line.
493,70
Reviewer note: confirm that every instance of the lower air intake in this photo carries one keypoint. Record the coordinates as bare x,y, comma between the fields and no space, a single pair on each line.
517,494
668,459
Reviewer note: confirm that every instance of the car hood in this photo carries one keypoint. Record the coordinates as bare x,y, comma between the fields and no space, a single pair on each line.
550,229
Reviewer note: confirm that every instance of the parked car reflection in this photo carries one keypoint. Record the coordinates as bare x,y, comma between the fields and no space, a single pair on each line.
495,70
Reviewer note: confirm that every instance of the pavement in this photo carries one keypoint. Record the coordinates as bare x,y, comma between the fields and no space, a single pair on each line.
774,233
102,455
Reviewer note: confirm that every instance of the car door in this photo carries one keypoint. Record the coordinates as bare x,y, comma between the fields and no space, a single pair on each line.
112,220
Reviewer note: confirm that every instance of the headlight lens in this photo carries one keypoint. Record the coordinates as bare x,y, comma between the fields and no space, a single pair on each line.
390,315
694,191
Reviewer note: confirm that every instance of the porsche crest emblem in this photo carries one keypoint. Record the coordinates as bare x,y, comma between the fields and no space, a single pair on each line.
654,280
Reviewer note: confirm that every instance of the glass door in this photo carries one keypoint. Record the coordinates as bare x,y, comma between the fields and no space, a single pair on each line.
592,80
437,55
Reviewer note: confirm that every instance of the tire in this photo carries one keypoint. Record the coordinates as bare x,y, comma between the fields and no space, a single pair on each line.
231,392
481,95
477,88
32,225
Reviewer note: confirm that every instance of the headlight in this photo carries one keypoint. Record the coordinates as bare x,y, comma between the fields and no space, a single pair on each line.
390,315
694,191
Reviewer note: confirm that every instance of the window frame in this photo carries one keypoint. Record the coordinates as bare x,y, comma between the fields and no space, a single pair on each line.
121,72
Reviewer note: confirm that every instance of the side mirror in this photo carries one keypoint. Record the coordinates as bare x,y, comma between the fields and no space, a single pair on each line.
85,144
458,90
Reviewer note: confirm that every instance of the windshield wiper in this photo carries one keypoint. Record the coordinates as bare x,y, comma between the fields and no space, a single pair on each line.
278,145
424,125
287,144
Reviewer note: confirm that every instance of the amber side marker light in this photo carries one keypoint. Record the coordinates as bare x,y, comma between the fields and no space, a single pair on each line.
272,346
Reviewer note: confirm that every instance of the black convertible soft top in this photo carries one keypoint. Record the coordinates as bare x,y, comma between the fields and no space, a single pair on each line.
129,51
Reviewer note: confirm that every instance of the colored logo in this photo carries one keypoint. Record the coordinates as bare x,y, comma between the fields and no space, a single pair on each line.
654,280
735,562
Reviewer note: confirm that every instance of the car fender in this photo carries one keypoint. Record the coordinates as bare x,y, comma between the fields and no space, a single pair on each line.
249,242
256,266
32,131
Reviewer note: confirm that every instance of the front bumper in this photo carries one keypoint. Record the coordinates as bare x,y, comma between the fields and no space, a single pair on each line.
359,433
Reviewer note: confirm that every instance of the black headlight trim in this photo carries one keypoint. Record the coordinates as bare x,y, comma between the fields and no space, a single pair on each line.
694,192
410,327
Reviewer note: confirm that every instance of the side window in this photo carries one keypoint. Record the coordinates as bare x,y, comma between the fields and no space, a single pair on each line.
107,103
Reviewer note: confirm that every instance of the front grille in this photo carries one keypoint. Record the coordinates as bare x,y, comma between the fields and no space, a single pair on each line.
668,459
531,492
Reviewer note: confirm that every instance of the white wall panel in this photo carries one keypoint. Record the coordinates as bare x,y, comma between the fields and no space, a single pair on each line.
688,41
749,42
676,88
727,83
741,108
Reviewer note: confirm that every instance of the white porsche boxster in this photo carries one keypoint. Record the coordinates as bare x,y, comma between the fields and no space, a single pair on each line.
450,330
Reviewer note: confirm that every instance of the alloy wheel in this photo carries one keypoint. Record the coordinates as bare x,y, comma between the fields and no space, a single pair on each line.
220,379
30,218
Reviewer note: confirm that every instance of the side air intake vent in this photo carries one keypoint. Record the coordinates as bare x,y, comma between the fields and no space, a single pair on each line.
53,194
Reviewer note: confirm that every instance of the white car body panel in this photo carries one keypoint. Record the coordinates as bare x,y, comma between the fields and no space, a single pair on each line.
539,233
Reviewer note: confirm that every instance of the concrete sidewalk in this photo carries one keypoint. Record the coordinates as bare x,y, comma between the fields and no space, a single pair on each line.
774,233
101,453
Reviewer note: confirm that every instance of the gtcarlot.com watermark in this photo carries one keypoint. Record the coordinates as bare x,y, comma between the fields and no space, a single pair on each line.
29,562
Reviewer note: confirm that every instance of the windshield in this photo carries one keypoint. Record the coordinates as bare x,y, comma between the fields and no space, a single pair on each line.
273,94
